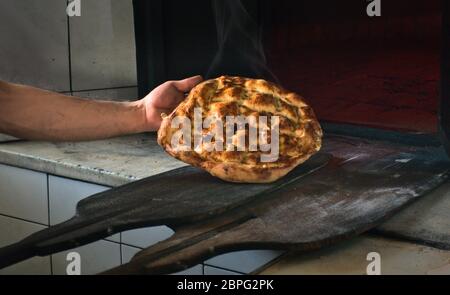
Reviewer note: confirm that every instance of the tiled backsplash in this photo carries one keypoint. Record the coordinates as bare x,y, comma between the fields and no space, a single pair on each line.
34,48
14,230
43,47
91,55
102,45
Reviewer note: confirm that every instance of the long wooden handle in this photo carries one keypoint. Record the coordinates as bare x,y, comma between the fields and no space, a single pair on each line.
180,196
12,254
67,235
188,247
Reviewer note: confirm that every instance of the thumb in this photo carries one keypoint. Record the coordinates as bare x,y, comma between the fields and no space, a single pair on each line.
187,84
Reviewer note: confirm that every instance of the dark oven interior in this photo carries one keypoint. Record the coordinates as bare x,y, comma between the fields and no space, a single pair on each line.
382,71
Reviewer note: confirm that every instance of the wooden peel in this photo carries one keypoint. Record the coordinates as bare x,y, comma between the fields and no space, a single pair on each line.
174,198
350,195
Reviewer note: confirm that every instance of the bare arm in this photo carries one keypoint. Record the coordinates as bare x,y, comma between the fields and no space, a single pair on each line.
32,113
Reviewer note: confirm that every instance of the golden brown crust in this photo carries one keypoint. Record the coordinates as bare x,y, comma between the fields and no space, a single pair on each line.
299,131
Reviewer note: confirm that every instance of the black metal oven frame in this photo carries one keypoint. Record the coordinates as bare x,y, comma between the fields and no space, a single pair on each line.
444,106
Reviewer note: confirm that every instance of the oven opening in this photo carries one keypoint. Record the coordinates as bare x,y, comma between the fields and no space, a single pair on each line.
377,71
381,71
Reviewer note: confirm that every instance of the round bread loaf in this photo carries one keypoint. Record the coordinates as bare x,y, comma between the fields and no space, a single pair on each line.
300,135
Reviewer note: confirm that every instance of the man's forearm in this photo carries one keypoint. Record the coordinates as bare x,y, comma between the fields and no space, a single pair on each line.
32,113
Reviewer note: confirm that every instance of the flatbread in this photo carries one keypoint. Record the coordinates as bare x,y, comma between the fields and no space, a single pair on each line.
300,135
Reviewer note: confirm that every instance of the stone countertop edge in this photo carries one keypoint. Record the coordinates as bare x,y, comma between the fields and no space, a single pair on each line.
111,162
64,169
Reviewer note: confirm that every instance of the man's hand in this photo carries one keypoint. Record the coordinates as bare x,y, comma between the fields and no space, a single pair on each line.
164,98
31,113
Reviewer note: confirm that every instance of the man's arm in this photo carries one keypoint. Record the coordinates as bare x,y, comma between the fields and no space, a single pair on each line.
31,113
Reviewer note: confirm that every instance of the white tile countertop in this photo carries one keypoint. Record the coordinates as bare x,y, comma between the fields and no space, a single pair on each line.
110,162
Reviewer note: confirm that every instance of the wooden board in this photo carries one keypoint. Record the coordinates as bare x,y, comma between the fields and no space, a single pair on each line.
180,196
426,221
364,184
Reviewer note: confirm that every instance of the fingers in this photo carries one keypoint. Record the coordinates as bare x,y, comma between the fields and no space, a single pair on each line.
187,84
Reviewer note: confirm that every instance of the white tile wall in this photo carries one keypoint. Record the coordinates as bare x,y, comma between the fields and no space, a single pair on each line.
34,45
193,271
128,253
64,195
102,45
23,194
244,261
13,230
95,257
36,48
